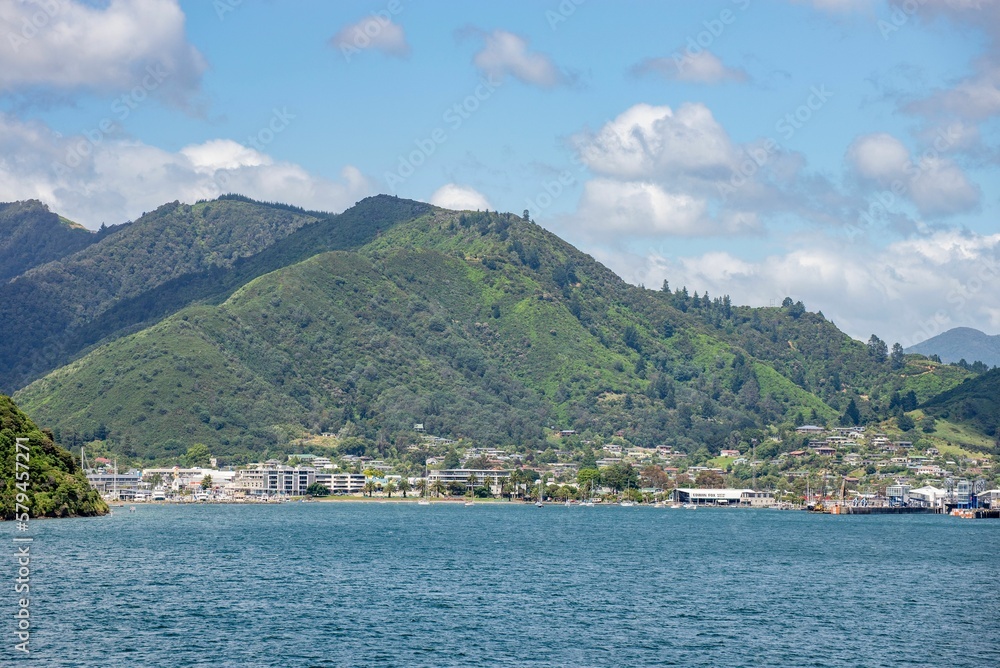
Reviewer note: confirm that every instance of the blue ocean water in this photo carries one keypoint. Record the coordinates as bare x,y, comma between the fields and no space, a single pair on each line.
370,584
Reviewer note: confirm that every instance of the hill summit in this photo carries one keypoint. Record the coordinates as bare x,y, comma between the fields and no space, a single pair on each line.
962,343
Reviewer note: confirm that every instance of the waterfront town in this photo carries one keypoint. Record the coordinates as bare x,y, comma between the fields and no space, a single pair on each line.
854,468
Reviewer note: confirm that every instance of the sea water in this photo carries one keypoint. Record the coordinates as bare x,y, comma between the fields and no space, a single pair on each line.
391,584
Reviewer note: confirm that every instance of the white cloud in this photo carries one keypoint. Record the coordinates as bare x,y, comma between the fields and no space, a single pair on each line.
975,98
934,183
647,141
219,154
118,179
375,32
70,45
906,292
880,157
611,208
665,172
459,198
702,67
506,54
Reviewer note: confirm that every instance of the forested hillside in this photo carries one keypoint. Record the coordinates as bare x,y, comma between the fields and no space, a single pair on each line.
31,235
478,325
166,260
975,403
55,485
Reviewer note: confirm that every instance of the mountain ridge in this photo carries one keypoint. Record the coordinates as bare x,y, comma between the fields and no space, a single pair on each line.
173,256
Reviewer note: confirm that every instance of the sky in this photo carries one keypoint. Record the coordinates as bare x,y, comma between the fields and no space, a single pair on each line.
839,152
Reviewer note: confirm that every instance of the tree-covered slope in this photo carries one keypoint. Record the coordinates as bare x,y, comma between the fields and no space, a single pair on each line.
974,404
31,235
476,325
168,259
55,485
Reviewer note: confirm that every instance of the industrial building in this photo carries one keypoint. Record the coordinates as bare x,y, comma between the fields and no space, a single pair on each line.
723,497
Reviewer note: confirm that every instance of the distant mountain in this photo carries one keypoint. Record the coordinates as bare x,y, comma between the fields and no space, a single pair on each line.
477,325
31,235
962,343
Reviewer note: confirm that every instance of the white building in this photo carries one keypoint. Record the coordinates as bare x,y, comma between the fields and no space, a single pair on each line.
928,496
723,497
272,478
342,483
484,477
119,486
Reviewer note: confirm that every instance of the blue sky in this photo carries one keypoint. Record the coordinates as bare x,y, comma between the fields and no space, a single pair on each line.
841,152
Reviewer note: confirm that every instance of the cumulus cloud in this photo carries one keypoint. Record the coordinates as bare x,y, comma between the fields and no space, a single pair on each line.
611,207
675,172
377,32
70,45
506,54
929,283
934,183
702,67
459,198
118,178
647,140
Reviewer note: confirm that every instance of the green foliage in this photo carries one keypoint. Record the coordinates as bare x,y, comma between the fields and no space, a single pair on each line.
620,476
974,404
318,489
197,456
905,422
56,487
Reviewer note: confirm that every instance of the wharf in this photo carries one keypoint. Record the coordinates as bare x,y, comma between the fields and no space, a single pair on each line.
978,513
886,510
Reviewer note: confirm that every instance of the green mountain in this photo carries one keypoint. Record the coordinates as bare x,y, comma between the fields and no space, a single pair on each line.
962,343
31,235
477,325
56,487
170,258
